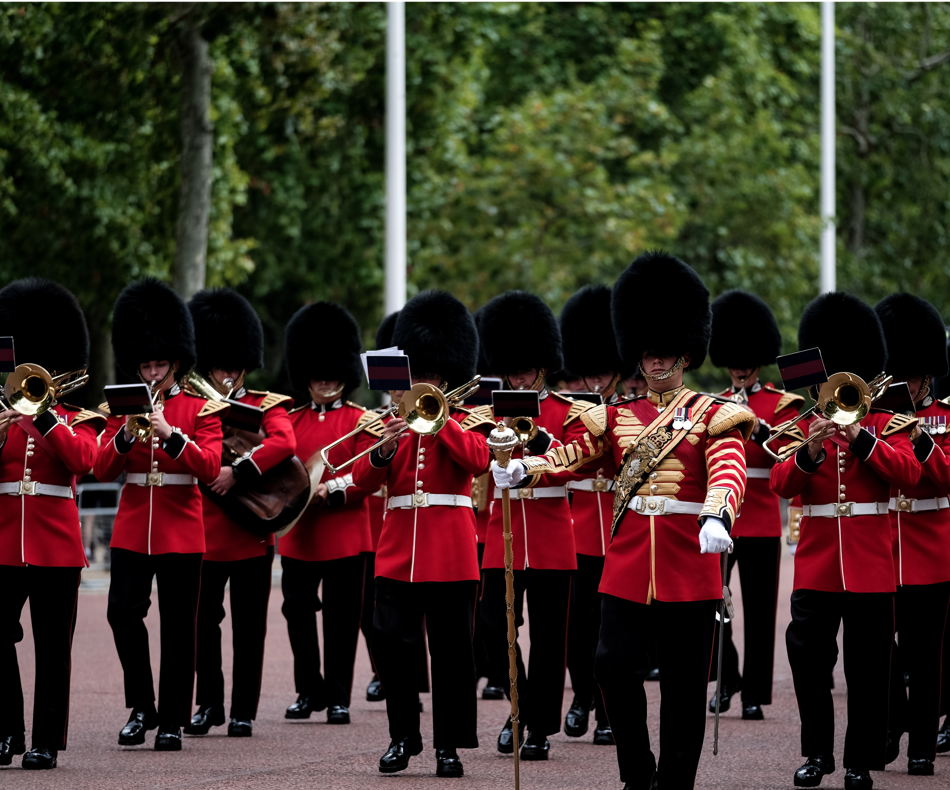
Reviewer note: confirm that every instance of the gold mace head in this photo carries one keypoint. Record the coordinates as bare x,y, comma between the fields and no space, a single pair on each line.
502,442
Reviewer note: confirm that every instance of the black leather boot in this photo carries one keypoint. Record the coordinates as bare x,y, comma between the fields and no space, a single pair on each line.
168,739
204,719
943,737
398,754
493,692
725,697
920,766
39,758
338,714
375,691
10,746
141,721
240,728
577,719
447,763
752,712
857,779
811,773
536,747
302,708
506,738
604,736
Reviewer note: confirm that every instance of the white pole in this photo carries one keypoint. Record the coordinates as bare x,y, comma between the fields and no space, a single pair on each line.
395,156
827,147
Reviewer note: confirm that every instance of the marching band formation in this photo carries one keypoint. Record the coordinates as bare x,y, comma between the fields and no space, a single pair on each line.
628,501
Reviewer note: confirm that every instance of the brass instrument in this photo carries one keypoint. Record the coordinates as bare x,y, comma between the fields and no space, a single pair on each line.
525,429
424,408
195,384
139,425
844,398
31,389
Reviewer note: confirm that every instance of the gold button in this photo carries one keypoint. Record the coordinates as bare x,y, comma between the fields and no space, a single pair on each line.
654,476
653,488
29,453
841,497
652,506
842,488
842,508
27,471
419,483
422,466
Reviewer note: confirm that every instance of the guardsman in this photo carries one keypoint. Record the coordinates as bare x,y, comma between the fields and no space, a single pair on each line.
844,566
41,551
427,560
159,529
920,529
230,343
745,337
680,482
541,527
590,354
330,542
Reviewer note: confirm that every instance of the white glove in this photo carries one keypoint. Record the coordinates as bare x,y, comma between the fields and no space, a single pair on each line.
508,476
713,537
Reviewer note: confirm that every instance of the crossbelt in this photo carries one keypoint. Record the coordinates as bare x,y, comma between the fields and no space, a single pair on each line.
30,488
592,484
845,509
422,499
663,505
160,479
758,472
534,493
905,505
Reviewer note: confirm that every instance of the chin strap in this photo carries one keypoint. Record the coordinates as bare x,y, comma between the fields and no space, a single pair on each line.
664,376
924,389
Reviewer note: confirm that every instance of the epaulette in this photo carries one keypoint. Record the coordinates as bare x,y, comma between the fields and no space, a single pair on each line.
899,422
562,398
104,408
595,419
272,399
477,418
367,417
796,433
213,407
787,399
578,407
729,416
85,415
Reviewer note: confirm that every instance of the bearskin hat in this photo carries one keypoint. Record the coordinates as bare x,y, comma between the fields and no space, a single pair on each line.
660,305
323,342
941,384
151,321
438,334
59,344
847,331
587,333
505,353
744,332
228,333
915,334
384,335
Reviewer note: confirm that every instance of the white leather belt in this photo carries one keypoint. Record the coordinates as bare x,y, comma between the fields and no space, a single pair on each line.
905,505
535,493
766,473
160,479
662,505
422,499
30,488
592,484
845,509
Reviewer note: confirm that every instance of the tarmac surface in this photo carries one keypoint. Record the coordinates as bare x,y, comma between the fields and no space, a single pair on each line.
311,754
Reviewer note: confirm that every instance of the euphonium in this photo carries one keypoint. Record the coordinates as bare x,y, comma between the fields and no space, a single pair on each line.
196,384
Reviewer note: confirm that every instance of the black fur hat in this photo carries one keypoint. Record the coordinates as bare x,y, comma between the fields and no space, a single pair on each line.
322,341
915,334
438,334
661,305
744,332
59,343
384,335
590,347
151,321
847,331
228,333
513,312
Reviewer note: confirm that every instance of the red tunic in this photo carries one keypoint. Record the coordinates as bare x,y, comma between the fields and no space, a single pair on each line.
45,530
542,530
377,514
165,519
329,533
922,540
436,543
851,553
761,513
225,540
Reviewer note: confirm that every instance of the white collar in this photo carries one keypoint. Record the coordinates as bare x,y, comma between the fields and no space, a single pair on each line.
325,407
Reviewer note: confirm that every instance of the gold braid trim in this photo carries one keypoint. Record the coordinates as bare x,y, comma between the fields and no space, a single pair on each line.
88,416
104,408
788,399
475,419
375,430
213,407
578,407
899,422
730,416
595,419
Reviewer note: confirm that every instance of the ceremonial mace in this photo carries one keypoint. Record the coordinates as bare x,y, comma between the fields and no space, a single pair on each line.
502,442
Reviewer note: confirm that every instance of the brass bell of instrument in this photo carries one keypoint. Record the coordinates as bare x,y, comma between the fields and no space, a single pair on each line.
424,408
32,390
525,429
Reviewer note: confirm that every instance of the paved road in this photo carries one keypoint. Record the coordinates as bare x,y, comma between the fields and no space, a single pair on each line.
310,754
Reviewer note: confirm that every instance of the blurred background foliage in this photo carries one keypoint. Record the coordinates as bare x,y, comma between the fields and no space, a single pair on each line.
549,143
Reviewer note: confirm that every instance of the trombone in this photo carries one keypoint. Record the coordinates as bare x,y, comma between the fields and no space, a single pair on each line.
31,390
424,408
844,398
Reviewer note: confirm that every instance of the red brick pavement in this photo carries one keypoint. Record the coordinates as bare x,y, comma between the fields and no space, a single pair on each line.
310,754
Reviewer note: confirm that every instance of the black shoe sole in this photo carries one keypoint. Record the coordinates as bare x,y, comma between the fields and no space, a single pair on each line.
8,759
37,766
161,747
136,740
486,694
289,715
375,697
928,771
603,740
810,782
394,769
575,733
339,720
531,757
759,716
239,733
451,773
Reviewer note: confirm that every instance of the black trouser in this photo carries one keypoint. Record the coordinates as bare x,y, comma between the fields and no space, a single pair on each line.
447,608
584,632
130,595
541,688
812,642
342,605
921,619
759,558
683,636
249,593
53,594
421,662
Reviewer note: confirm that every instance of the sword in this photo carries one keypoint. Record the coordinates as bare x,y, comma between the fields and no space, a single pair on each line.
725,608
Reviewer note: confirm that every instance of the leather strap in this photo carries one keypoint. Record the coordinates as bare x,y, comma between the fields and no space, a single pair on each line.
845,509
663,505
905,505
422,499
31,488
554,492
160,479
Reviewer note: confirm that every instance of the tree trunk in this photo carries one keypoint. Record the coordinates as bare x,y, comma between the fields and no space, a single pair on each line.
194,207
101,365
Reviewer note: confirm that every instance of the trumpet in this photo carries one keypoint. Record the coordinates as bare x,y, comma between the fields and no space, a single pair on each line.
424,408
844,398
139,425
